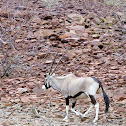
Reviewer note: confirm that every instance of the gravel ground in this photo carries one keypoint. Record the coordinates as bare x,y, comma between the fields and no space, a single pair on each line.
24,115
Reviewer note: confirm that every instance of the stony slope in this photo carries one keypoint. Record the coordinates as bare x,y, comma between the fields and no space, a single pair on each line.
97,42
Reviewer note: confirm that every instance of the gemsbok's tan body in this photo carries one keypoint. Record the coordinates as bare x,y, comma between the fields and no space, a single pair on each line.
71,86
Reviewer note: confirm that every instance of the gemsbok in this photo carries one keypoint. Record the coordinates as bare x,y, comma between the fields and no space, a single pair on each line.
71,86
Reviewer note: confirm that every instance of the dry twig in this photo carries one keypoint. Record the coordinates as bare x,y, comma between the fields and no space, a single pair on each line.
38,115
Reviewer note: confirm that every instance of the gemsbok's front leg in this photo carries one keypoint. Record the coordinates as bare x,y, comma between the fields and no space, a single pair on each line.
67,109
73,110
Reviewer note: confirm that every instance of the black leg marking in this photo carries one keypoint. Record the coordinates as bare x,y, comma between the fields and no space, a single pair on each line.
93,100
67,101
73,104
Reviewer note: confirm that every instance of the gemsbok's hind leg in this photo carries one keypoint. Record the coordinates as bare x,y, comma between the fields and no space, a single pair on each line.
89,109
97,110
72,108
94,103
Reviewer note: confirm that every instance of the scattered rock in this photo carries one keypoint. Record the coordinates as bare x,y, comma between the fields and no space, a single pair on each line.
36,19
76,18
6,123
85,35
95,36
34,98
25,99
5,99
8,104
22,90
121,109
37,90
96,42
19,40
59,116
17,100
96,20
109,20
48,61
55,44
45,33
124,78
47,17
66,35
42,101
41,55
30,58
79,52
70,54
1,111
78,28
114,68
84,119
4,12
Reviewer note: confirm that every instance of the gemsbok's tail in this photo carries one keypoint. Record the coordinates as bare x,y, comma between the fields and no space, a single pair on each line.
106,99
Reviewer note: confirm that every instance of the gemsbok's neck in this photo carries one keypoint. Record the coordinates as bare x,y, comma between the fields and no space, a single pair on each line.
55,84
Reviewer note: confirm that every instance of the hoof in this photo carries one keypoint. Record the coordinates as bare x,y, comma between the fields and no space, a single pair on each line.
95,120
82,116
66,119
79,114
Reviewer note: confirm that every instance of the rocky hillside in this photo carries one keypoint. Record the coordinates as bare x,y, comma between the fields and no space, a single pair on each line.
32,32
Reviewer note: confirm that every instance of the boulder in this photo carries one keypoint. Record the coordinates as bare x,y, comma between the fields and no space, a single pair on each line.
76,18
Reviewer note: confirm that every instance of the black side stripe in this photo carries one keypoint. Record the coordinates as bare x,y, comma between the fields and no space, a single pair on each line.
78,94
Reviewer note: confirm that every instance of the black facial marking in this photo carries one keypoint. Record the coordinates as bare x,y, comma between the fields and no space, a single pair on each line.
46,86
93,101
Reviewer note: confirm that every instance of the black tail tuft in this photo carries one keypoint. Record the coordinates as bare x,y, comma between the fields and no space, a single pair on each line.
106,99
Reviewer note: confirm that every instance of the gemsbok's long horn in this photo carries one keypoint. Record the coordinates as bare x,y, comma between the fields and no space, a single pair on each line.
59,61
53,63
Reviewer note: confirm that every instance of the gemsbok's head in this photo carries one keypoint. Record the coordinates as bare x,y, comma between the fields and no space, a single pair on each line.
51,72
48,75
